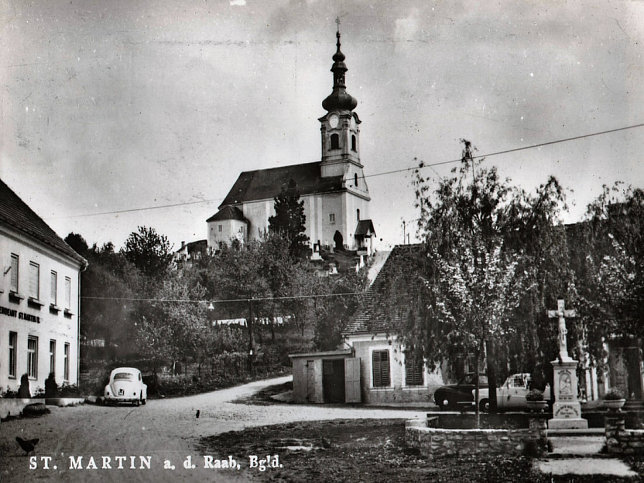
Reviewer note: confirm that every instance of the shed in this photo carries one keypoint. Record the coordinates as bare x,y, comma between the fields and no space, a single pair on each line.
326,377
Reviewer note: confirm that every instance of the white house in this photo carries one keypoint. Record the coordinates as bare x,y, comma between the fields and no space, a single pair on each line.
39,299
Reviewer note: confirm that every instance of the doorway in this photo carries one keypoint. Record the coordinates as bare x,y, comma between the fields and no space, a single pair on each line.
333,380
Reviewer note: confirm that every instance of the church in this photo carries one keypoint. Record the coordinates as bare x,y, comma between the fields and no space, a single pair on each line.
334,190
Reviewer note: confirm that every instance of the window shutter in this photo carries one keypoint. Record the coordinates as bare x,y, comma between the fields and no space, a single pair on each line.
53,288
375,364
380,368
34,280
385,368
14,273
68,292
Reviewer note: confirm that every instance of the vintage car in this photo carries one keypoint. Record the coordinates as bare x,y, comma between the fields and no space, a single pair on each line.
454,396
125,385
512,394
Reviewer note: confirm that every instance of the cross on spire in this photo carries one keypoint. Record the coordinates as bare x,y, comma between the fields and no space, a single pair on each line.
561,313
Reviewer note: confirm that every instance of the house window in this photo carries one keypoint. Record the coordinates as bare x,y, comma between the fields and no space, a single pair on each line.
66,363
332,218
34,280
358,214
14,273
353,143
380,368
53,288
220,228
52,357
414,369
335,141
13,344
32,357
68,293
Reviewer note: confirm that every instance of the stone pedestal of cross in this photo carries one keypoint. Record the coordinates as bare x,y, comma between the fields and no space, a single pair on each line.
566,412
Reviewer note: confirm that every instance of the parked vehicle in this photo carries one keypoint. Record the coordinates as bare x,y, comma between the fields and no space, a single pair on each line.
452,396
125,385
512,394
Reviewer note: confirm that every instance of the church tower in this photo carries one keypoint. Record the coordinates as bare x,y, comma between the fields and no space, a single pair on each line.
340,129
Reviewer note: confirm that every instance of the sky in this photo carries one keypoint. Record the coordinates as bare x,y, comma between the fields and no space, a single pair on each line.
111,106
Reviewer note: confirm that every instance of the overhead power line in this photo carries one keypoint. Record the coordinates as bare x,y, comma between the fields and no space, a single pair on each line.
248,299
137,209
383,173
507,151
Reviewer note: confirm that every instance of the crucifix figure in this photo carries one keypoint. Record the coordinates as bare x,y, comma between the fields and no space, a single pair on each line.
561,313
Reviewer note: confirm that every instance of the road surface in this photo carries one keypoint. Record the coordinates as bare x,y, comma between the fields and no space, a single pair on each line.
163,432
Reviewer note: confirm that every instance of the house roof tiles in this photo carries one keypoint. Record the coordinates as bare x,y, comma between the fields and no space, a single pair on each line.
15,213
373,317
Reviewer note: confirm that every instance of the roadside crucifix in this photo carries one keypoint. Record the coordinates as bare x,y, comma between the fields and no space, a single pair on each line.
561,313
566,411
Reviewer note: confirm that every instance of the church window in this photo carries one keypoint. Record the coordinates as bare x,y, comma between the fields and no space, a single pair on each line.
353,143
335,141
358,214
380,368
332,218
355,180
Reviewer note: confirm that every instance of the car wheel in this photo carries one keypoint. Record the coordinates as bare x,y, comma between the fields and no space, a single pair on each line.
484,405
136,403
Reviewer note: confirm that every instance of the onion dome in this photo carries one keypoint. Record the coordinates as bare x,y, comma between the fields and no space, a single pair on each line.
339,99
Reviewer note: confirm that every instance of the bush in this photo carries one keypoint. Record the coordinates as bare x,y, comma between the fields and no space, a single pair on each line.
23,391
534,395
69,390
10,394
51,388
613,394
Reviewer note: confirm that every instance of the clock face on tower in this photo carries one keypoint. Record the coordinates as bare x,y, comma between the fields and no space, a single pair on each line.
333,120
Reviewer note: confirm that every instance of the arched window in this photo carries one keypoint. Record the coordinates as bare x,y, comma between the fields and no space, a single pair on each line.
355,180
353,143
335,141
358,213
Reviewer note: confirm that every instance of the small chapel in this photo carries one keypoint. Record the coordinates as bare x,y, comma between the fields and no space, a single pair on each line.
334,191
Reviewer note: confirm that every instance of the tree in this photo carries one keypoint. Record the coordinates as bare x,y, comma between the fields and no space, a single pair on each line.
78,243
149,251
289,221
174,327
476,266
610,274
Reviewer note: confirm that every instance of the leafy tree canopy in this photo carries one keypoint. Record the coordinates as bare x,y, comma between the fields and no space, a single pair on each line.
149,251
289,221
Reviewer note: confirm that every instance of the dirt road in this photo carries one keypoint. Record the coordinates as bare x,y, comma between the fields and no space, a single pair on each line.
162,433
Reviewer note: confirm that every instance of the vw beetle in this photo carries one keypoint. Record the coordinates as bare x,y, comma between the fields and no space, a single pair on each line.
126,385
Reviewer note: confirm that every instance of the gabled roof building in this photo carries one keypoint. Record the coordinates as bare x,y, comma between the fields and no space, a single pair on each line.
334,191
39,300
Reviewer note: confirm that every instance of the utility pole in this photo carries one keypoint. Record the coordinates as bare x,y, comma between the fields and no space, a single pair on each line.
249,325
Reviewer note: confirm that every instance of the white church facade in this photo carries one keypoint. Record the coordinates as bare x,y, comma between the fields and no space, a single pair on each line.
334,191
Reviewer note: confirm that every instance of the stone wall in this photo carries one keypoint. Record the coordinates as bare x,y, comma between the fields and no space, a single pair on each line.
620,440
437,442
